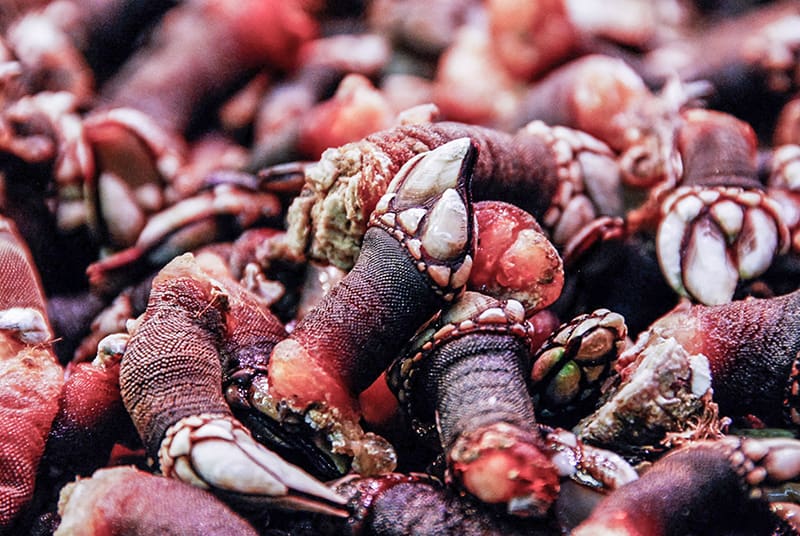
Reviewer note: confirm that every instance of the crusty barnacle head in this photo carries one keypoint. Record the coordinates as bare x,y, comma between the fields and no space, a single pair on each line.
328,219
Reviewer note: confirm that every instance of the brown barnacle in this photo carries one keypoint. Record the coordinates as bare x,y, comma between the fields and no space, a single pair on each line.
279,120
514,258
397,504
559,175
718,226
117,500
424,28
355,110
751,348
134,159
606,98
50,59
492,99
30,375
417,256
569,369
462,380
706,487
171,379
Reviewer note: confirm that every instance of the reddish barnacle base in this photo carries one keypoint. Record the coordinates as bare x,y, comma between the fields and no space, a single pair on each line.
514,258
30,376
124,499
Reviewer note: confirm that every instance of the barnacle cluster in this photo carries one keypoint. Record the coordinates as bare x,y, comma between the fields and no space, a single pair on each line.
399,267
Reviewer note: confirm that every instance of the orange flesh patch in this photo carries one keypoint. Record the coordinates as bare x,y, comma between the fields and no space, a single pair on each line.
498,475
378,403
513,258
294,376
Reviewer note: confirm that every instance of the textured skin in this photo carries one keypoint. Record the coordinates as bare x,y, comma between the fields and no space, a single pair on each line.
360,326
473,381
717,149
90,419
171,368
398,504
30,382
124,501
751,346
693,491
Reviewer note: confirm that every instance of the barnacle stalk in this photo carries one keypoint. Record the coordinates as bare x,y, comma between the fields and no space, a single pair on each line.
416,257
121,499
171,384
719,226
707,487
30,376
751,347
91,416
397,504
463,380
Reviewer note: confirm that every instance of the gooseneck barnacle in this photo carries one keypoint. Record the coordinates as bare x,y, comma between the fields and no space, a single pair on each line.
464,377
171,385
417,252
423,328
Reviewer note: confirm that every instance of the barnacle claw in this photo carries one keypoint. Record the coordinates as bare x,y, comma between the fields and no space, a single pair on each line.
416,256
710,238
215,451
28,325
426,210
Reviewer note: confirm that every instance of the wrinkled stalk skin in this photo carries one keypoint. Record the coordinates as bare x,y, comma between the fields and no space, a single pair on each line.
700,483
359,327
171,368
477,380
751,345
394,505
717,150
124,500
31,380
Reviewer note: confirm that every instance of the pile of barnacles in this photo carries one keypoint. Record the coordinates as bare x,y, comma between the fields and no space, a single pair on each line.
399,267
